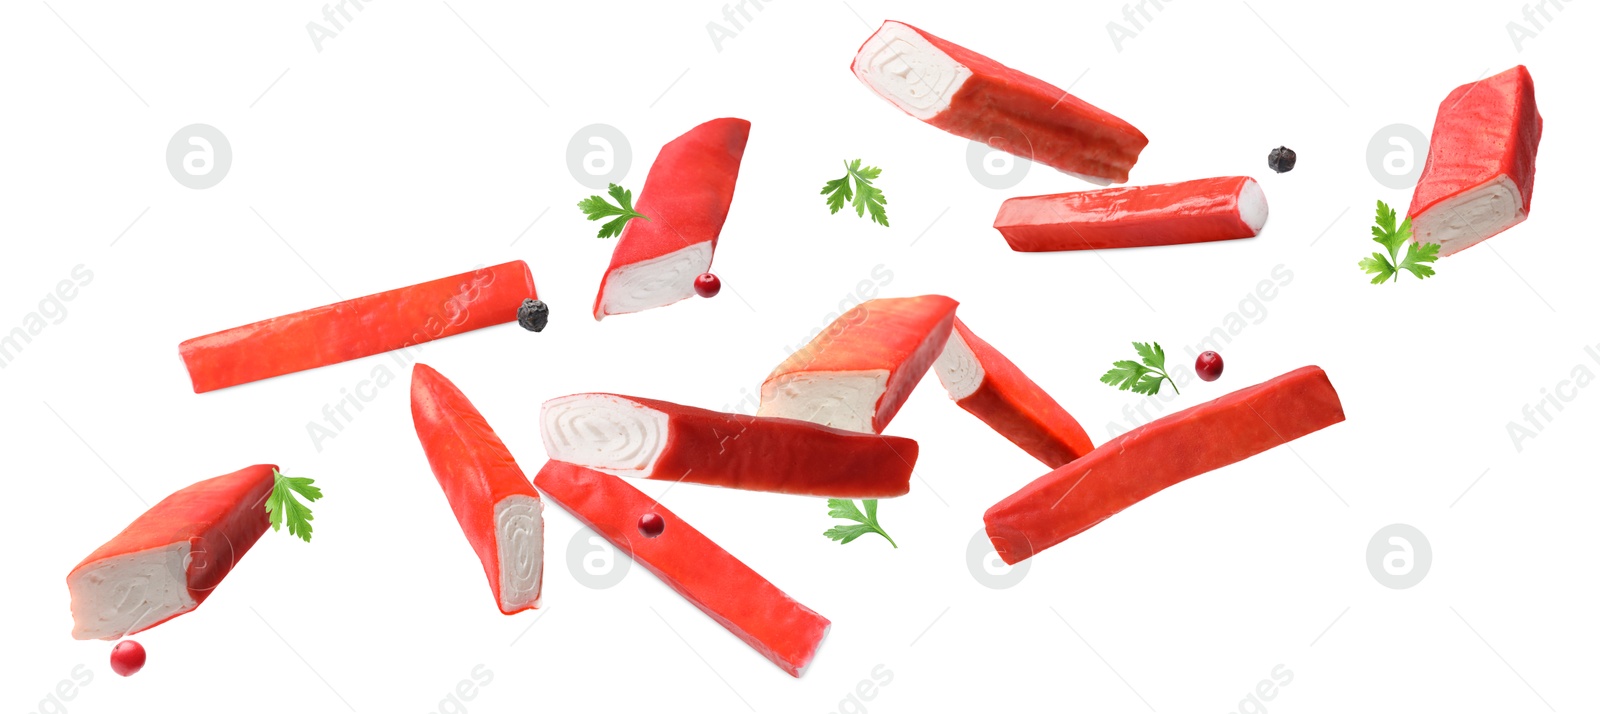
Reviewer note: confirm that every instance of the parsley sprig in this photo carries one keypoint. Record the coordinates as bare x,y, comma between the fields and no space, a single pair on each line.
845,508
282,506
596,208
1146,378
1390,236
865,198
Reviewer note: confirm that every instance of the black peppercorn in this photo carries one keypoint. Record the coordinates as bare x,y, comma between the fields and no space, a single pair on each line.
533,315
1281,159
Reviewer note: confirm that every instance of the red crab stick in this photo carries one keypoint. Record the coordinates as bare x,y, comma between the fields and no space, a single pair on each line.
1189,212
738,598
1134,466
1478,180
985,383
358,328
857,372
647,438
169,560
972,96
685,199
497,508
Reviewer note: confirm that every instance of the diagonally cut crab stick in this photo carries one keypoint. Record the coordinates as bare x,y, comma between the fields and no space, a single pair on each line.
358,328
748,605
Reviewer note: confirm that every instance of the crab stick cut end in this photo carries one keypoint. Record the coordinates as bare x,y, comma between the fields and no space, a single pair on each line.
1471,217
123,594
519,542
900,65
605,432
654,282
1251,205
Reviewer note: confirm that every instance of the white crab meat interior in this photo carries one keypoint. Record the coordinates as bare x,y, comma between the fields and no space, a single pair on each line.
958,368
901,66
519,538
842,400
603,432
117,595
1253,206
1471,217
655,282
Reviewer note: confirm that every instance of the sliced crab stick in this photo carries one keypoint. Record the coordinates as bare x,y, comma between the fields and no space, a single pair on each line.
1136,465
857,372
685,200
499,511
1478,180
724,588
647,438
358,328
985,383
1198,211
169,560
974,97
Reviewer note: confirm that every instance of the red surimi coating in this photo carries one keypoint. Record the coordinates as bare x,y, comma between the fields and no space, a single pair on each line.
1197,211
219,519
1005,399
774,624
972,96
685,198
1478,180
358,328
1174,448
478,475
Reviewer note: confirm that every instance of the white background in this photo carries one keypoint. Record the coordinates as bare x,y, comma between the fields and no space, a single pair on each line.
425,138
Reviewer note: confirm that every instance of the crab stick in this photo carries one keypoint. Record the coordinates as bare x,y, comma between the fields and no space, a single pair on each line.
358,328
499,511
856,373
647,438
752,608
169,559
974,97
685,200
1174,448
1478,180
1197,211
982,381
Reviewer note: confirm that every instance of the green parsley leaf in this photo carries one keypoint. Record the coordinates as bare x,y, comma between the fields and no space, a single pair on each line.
596,208
1146,378
1417,256
282,506
845,508
865,197
1391,237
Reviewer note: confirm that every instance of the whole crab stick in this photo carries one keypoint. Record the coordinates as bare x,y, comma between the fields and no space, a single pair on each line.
982,381
857,372
756,611
169,559
358,328
1478,180
647,438
685,200
974,97
1197,211
1180,446
499,511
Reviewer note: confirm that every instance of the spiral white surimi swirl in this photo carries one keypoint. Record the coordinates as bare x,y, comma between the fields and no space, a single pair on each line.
902,67
958,368
603,432
519,538
122,593
656,282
